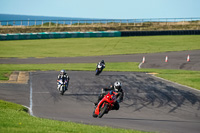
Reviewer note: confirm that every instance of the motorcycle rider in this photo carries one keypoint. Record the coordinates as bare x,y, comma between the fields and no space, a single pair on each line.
102,63
62,74
116,88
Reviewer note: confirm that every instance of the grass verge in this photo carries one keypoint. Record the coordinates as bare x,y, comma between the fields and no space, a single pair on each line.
14,118
71,47
185,77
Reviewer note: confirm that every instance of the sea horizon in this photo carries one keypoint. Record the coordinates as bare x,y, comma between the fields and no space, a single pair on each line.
6,17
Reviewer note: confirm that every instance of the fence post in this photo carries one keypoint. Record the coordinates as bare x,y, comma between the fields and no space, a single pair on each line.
50,23
134,21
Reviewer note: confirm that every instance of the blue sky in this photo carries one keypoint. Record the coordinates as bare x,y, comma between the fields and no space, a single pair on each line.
108,9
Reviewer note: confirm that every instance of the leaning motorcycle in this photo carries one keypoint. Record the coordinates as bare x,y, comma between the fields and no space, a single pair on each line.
99,69
63,85
105,105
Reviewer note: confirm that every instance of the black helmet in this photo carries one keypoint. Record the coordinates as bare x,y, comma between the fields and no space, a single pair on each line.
102,61
117,86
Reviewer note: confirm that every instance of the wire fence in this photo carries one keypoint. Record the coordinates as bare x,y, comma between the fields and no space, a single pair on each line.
101,22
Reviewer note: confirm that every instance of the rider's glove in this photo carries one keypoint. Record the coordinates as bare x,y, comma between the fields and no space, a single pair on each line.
103,91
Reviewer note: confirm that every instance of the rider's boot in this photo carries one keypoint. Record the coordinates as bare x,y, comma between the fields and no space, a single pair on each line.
95,103
58,87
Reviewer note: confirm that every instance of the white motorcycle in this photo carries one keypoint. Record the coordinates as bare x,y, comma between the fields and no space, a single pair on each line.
63,85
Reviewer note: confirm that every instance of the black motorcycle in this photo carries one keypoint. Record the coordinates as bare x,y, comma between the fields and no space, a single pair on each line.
99,69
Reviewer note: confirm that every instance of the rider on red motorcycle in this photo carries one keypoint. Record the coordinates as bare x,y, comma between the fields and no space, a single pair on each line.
107,103
118,91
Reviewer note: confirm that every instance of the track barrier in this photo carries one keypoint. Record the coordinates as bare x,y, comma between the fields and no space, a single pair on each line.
53,35
155,33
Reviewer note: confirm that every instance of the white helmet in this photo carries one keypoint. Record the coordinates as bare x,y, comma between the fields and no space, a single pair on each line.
62,72
117,86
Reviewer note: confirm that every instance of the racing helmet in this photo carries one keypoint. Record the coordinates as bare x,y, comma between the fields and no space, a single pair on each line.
62,72
103,62
117,86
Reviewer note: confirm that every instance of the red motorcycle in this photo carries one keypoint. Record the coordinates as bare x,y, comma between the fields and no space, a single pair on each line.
105,105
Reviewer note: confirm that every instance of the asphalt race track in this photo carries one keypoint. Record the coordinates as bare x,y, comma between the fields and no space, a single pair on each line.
150,104
176,60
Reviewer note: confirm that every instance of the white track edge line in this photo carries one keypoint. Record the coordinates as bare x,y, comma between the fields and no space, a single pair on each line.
140,65
176,83
171,81
31,96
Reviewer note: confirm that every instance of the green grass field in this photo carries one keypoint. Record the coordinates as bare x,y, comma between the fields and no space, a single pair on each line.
14,118
72,47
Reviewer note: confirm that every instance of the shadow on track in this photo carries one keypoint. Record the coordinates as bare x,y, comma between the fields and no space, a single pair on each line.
159,94
131,119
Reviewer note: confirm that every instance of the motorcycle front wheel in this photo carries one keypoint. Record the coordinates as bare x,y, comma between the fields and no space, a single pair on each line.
98,71
62,90
94,115
103,110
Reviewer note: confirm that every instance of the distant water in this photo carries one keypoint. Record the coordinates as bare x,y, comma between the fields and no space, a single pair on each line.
23,19
5,17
